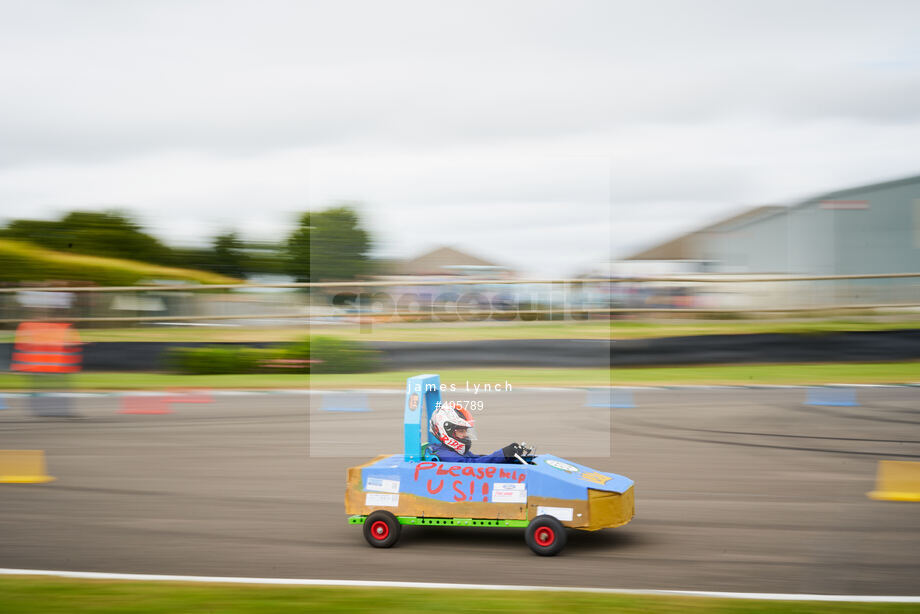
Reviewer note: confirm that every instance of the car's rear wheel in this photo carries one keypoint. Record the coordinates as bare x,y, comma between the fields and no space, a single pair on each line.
545,535
381,529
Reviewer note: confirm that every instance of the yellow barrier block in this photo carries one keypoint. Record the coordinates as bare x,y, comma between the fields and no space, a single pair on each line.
23,467
897,481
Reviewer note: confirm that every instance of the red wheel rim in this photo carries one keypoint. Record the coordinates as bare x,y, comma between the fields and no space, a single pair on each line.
380,530
544,536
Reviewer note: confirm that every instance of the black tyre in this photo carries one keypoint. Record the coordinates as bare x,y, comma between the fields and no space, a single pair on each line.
381,529
545,535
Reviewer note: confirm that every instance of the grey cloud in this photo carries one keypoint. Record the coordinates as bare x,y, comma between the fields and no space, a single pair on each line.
117,79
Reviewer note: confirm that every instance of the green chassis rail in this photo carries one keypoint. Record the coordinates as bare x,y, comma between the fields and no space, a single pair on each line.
449,522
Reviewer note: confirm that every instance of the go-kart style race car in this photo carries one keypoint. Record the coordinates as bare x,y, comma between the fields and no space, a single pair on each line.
543,493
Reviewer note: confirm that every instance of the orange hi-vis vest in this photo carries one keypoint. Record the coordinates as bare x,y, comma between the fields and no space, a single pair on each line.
46,347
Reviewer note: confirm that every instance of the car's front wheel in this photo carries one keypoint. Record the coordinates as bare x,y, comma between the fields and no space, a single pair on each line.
545,535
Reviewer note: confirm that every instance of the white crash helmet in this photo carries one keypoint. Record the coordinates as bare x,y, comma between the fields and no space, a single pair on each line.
448,417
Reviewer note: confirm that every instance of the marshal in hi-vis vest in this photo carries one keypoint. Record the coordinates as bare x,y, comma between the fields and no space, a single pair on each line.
46,347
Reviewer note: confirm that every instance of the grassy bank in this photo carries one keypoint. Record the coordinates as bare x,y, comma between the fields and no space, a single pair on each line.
24,261
833,373
49,595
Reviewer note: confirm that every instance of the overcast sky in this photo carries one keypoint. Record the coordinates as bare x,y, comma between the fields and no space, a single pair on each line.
544,135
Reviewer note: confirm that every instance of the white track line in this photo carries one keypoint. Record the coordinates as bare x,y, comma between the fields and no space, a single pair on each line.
90,575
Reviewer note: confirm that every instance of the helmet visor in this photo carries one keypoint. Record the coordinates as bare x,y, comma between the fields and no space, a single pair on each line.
462,432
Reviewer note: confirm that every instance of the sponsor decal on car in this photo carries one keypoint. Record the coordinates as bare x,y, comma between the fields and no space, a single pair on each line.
559,513
556,464
382,485
379,499
509,493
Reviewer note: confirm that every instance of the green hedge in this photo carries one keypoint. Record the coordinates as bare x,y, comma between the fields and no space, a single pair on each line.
341,356
215,360
331,355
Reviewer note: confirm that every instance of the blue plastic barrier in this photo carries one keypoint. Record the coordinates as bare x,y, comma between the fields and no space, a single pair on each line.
618,398
51,405
832,396
345,401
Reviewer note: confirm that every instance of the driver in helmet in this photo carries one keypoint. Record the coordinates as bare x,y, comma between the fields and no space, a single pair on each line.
452,426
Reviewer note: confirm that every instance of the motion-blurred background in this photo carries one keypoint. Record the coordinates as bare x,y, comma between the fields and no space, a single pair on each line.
840,262
543,201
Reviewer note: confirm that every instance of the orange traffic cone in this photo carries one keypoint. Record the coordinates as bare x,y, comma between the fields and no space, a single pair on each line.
190,395
145,405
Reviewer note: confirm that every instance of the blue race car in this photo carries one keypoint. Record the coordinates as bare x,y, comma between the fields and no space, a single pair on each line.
544,493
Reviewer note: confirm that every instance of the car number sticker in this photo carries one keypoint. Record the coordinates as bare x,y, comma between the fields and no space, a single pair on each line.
382,485
559,513
381,499
509,493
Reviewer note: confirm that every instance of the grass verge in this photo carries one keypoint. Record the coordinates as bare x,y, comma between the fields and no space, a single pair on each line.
447,331
385,379
831,373
51,595
742,374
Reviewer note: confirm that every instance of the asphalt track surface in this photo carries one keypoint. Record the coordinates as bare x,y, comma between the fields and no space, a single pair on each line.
737,490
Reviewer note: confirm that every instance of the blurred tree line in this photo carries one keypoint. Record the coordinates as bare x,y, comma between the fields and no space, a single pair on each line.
328,245
325,245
